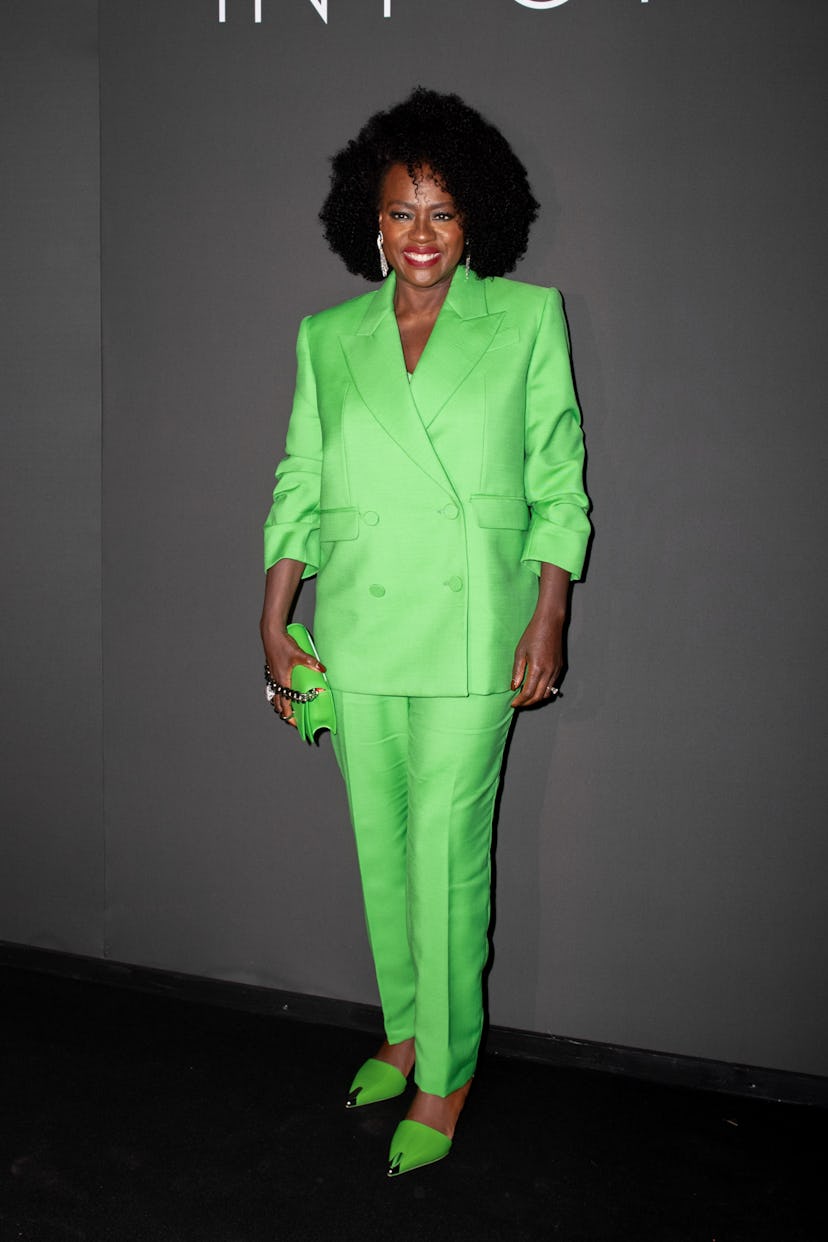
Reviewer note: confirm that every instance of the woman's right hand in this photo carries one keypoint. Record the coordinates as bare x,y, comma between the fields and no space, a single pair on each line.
282,655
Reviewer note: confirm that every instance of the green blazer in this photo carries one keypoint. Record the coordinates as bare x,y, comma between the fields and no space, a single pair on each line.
425,506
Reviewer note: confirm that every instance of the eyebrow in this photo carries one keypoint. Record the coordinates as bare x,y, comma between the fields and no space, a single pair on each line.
399,202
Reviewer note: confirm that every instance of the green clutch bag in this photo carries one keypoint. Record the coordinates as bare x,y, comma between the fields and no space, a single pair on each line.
318,711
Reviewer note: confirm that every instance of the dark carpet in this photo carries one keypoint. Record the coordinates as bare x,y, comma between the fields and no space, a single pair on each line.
139,1118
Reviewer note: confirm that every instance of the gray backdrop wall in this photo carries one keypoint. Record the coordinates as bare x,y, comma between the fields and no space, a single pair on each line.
52,848
661,846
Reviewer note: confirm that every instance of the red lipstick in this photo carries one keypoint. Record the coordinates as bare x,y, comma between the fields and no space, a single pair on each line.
421,258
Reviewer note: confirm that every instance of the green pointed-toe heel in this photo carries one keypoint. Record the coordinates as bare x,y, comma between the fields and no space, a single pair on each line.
415,1145
375,1081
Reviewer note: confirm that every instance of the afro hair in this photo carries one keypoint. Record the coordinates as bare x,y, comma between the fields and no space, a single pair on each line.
469,158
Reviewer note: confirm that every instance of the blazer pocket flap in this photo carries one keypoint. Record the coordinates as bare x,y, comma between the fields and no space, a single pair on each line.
503,512
338,524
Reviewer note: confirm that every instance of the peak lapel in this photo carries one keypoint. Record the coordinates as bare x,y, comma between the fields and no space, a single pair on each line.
463,332
375,360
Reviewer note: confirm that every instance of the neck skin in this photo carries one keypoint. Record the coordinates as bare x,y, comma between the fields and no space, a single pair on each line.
413,303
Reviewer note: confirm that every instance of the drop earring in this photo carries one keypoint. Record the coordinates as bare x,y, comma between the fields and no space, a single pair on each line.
468,260
382,258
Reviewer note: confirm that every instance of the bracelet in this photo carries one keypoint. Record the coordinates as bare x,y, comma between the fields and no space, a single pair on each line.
272,688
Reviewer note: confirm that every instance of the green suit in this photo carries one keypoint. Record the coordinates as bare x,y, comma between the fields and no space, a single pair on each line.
425,505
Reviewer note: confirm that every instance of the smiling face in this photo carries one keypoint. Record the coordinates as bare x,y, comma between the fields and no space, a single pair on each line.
423,236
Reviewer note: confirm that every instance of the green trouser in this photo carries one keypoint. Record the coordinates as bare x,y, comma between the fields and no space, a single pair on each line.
422,776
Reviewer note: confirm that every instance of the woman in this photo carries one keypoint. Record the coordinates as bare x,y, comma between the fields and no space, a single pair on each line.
433,482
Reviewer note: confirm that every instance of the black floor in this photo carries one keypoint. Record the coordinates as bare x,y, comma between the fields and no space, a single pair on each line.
139,1118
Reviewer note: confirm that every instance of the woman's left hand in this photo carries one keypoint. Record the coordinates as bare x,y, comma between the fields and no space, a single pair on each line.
538,660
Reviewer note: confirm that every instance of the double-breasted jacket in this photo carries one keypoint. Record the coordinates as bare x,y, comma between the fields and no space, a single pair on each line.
425,504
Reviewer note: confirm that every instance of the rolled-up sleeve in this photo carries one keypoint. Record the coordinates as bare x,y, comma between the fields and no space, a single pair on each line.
559,529
292,526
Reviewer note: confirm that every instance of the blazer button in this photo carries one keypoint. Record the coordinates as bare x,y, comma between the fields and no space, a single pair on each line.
454,584
377,590
450,511
370,518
